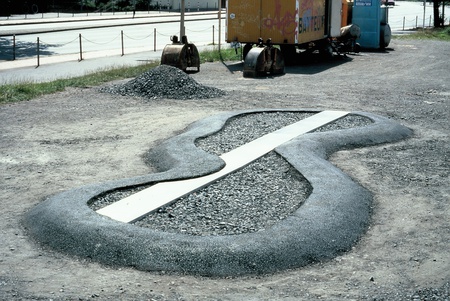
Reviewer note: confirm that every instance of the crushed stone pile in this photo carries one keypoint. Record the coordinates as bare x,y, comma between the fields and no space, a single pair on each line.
164,82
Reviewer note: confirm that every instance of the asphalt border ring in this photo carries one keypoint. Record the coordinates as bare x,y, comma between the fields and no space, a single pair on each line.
330,222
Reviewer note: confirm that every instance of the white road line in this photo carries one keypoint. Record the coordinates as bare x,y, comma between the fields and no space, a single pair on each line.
141,203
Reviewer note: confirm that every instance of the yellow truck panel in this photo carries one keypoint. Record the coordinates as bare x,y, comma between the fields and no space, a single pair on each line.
284,21
243,20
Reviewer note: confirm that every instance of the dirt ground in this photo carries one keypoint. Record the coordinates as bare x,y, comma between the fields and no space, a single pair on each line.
80,136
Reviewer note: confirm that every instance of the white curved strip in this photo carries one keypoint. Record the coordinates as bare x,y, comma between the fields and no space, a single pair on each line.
141,203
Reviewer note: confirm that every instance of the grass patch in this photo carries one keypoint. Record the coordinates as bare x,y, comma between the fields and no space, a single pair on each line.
28,90
214,55
442,34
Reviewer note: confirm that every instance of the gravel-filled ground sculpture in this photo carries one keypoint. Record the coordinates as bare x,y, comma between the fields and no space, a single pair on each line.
328,222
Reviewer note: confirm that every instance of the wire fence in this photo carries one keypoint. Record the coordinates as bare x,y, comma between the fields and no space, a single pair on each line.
16,49
416,22
75,15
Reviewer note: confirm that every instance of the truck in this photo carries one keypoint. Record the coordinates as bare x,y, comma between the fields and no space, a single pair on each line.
274,32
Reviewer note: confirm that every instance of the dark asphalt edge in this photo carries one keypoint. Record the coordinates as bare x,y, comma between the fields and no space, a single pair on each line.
329,223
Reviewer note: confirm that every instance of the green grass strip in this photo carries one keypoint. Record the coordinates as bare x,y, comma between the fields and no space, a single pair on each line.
28,90
442,34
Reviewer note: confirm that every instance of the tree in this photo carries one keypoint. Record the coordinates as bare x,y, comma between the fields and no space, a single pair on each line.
438,19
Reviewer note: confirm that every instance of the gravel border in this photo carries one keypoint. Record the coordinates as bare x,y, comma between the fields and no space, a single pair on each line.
330,222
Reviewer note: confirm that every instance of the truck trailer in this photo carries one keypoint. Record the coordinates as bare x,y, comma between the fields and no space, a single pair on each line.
275,31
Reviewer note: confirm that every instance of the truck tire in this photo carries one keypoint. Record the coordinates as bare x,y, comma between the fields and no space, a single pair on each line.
385,35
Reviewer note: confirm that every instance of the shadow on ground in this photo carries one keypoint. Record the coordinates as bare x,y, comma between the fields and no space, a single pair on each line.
22,50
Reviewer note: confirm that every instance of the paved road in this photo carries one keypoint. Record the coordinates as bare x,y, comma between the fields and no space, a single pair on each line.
129,38
101,47
115,35
51,23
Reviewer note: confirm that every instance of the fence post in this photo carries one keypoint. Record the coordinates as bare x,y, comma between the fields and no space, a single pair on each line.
416,21
14,47
403,23
429,23
81,48
154,39
121,37
37,51
213,36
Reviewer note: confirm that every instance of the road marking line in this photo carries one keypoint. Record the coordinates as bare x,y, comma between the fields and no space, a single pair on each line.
136,206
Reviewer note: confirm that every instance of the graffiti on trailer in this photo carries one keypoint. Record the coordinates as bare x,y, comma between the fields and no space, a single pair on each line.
285,24
310,17
311,23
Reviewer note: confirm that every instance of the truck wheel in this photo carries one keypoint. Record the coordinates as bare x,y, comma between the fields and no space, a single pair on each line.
385,36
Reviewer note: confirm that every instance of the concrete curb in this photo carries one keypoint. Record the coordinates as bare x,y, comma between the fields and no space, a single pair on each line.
330,222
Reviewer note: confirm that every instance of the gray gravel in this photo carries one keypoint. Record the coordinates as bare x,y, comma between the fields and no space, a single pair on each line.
164,82
249,200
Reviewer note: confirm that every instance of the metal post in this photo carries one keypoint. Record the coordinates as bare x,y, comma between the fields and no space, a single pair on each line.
81,48
403,23
213,34
154,40
416,21
220,22
424,8
182,31
37,52
14,47
121,38
443,13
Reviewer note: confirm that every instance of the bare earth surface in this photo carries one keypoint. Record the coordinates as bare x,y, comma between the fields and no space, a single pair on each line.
81,136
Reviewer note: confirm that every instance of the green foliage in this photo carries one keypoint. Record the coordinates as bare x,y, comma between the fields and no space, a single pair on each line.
88,3
224,55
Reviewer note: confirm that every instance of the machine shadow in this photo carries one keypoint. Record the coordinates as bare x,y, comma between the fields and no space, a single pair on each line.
312,64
